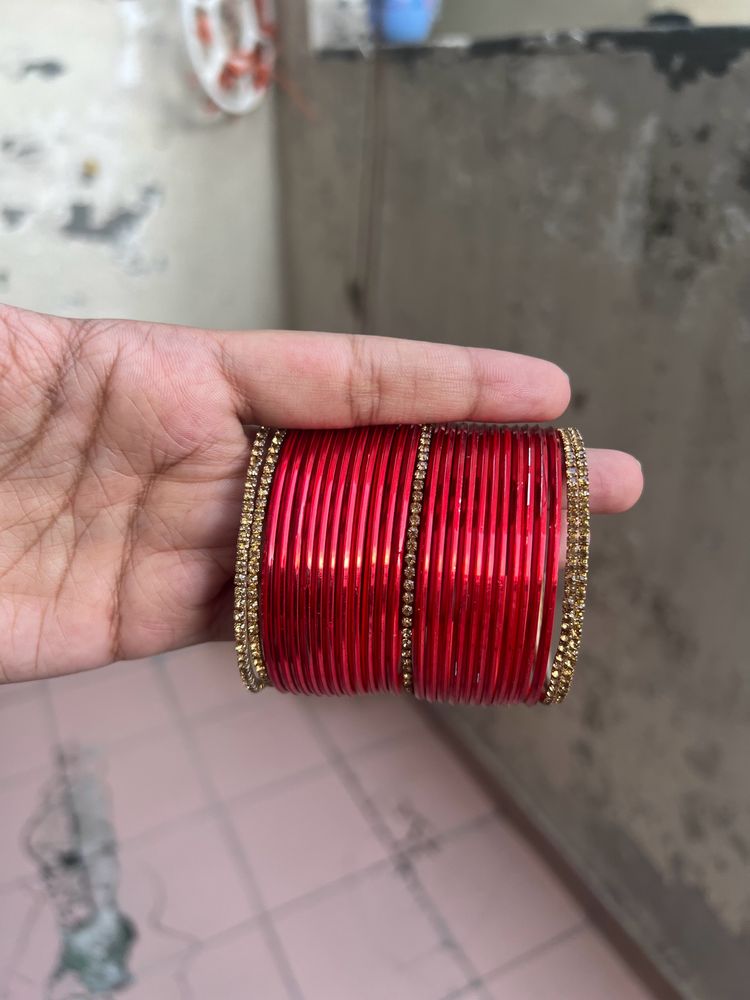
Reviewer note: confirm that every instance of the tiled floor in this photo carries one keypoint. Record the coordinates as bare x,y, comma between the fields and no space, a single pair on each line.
268,848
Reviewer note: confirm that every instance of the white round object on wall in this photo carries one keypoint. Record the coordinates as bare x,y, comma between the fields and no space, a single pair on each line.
232,49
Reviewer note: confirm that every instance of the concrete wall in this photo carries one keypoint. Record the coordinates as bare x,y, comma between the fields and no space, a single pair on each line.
591,204
120,193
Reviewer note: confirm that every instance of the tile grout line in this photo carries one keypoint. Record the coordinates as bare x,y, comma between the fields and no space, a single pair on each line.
231,839
333,887
538,950
518,962
261,794
312,896
24,931
404,866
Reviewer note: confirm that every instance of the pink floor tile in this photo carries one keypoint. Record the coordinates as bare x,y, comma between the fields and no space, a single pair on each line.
583,967
354,723
498,898
122,703
37,958
199,885
419,788
304,837
19,799
241,967
269,739
153,781
156,986
368,940
25,737
17,907
205,677
14,694
142,898
21,989
83,678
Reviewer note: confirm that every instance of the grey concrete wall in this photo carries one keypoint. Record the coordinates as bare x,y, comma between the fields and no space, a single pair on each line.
120,194
590,204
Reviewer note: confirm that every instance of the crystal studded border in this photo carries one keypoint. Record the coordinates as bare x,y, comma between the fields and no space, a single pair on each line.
244,658
410,556
253,569
576,567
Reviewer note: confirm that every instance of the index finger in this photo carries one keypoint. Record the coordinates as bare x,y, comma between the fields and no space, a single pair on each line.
339,380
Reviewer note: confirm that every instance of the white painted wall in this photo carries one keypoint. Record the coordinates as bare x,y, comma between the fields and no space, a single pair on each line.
177,218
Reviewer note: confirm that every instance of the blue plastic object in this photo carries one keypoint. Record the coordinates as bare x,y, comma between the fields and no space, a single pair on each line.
403,22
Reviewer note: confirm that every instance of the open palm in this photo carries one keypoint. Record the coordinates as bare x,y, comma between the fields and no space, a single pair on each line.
123,449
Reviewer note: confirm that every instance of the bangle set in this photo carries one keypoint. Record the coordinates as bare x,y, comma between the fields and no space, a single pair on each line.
413,559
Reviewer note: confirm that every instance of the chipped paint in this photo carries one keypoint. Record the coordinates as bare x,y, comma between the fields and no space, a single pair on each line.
12,216
624,232
129,188
549,80
47,69
119,226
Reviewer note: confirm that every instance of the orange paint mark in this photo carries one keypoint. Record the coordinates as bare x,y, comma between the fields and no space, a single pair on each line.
203,28
265,22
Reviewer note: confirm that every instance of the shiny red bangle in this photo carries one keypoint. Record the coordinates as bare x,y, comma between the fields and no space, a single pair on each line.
412,559
539,678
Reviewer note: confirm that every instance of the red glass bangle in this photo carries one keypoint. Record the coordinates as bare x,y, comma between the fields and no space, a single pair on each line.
552,567
412,559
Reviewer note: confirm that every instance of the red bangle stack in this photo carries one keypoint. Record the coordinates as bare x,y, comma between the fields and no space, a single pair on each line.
486,592
393,558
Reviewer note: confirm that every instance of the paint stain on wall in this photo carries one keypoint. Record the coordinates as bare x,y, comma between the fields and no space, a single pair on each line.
17,147
12,216
117,226
680,53
47,69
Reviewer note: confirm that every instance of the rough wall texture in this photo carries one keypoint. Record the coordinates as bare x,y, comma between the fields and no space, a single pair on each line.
589,203
119,193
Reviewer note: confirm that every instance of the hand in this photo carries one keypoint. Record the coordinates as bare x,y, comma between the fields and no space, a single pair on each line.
123,453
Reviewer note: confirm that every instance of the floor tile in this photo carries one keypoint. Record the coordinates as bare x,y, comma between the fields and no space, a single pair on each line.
583,967
14,694
205,677
37,958
198,885
266,741
304,837
162,985
83,678
21,989
25,736
20,798
123,703
17,906
238,968
354,723
420,789
142,899
498,898
153,781
369,940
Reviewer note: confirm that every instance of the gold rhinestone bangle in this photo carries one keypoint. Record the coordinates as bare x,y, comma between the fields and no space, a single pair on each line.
576,567
255,646
410,556
244,658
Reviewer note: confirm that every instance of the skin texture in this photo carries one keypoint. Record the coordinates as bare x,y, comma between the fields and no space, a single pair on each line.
123,449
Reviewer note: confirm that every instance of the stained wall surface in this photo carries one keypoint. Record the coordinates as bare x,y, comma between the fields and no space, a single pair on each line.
589,203
120,193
